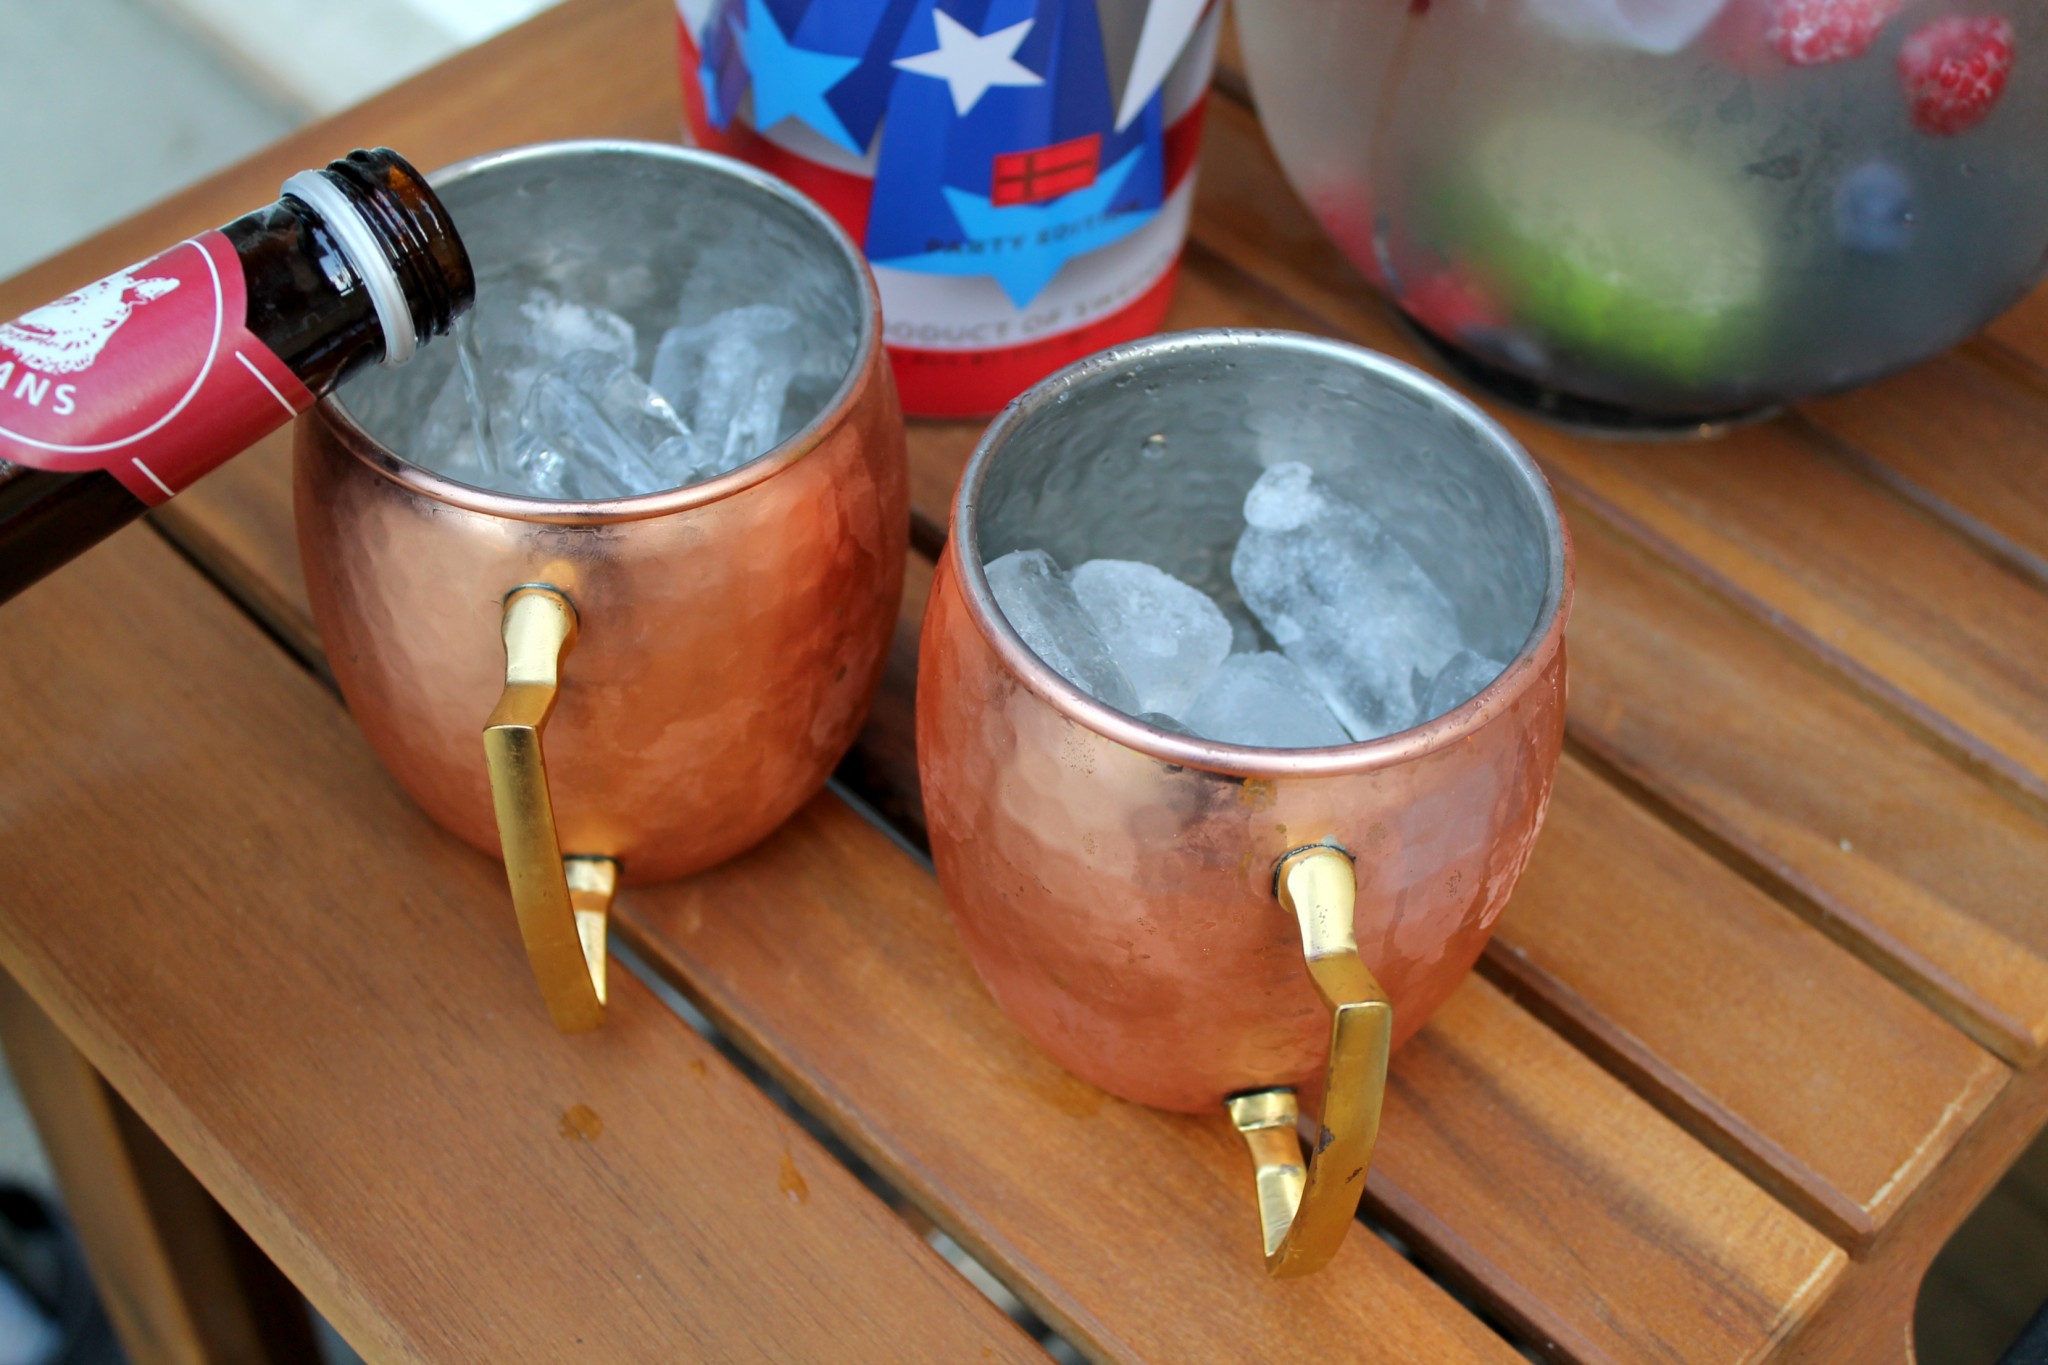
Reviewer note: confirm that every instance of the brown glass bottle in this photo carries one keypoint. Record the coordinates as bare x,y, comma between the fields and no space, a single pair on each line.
317,296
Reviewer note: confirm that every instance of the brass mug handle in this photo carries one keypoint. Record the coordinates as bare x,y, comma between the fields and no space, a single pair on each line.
1305,1212
562,903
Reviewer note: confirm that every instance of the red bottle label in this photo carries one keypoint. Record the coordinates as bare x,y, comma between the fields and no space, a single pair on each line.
150,374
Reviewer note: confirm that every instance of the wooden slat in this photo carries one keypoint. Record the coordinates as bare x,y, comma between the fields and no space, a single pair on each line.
150,1307
1965,434
1956,643
180,1283
2024,330
1896,851
1132,1231
1563,1197
321,1003
1870,1316
1802,1066
228,526
1626,1239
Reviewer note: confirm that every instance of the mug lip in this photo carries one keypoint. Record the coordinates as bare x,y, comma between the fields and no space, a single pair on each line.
1545,637
519,507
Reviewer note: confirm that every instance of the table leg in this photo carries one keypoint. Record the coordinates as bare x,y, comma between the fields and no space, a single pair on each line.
181,1281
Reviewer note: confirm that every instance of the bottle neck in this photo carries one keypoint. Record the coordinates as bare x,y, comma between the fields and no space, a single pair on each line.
355,264
409,223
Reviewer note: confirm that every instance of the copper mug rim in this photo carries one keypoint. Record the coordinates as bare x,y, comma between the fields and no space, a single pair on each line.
418,478
1522,672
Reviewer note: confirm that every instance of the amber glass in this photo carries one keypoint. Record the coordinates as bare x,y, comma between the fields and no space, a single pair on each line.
306,302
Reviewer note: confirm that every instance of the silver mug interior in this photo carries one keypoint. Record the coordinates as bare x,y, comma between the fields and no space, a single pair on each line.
1146,452
659,235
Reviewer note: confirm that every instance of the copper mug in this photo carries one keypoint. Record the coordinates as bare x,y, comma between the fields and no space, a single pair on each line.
727,636
1190,924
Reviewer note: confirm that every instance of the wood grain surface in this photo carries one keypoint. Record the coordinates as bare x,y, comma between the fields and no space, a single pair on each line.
1740,1057
1813,1073
1951,639
1961,435
173,1272
1062,1188
1134,1232
320,1001
2022,332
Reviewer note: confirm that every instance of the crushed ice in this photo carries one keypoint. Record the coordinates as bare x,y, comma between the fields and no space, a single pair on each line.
548,399
1370,645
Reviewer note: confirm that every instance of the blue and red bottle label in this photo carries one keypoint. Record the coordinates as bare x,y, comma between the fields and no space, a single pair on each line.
1019,172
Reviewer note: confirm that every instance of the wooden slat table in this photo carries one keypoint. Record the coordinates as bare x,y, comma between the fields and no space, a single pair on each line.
1763,1022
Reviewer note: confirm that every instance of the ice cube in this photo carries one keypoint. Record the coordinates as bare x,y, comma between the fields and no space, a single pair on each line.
1159,720
810,393
1457,682
1166,636
589,430
730,378
1266,701
555,326
513,338
1284,499
1040,605
1342,598
443,437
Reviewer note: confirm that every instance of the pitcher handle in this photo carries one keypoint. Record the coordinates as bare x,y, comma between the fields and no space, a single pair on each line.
1305,1212
562,903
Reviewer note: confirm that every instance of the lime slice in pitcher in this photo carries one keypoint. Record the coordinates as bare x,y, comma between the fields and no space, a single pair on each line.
1610,246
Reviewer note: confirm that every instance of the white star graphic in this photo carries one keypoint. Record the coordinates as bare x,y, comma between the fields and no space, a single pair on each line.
969,62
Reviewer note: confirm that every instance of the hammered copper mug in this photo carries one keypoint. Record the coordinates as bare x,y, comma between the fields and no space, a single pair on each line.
701,657
1195,925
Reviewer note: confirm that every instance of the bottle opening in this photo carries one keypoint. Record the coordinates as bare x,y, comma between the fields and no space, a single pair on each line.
372,264
400,240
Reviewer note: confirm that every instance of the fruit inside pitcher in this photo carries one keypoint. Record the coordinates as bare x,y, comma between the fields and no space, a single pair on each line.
1678,205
